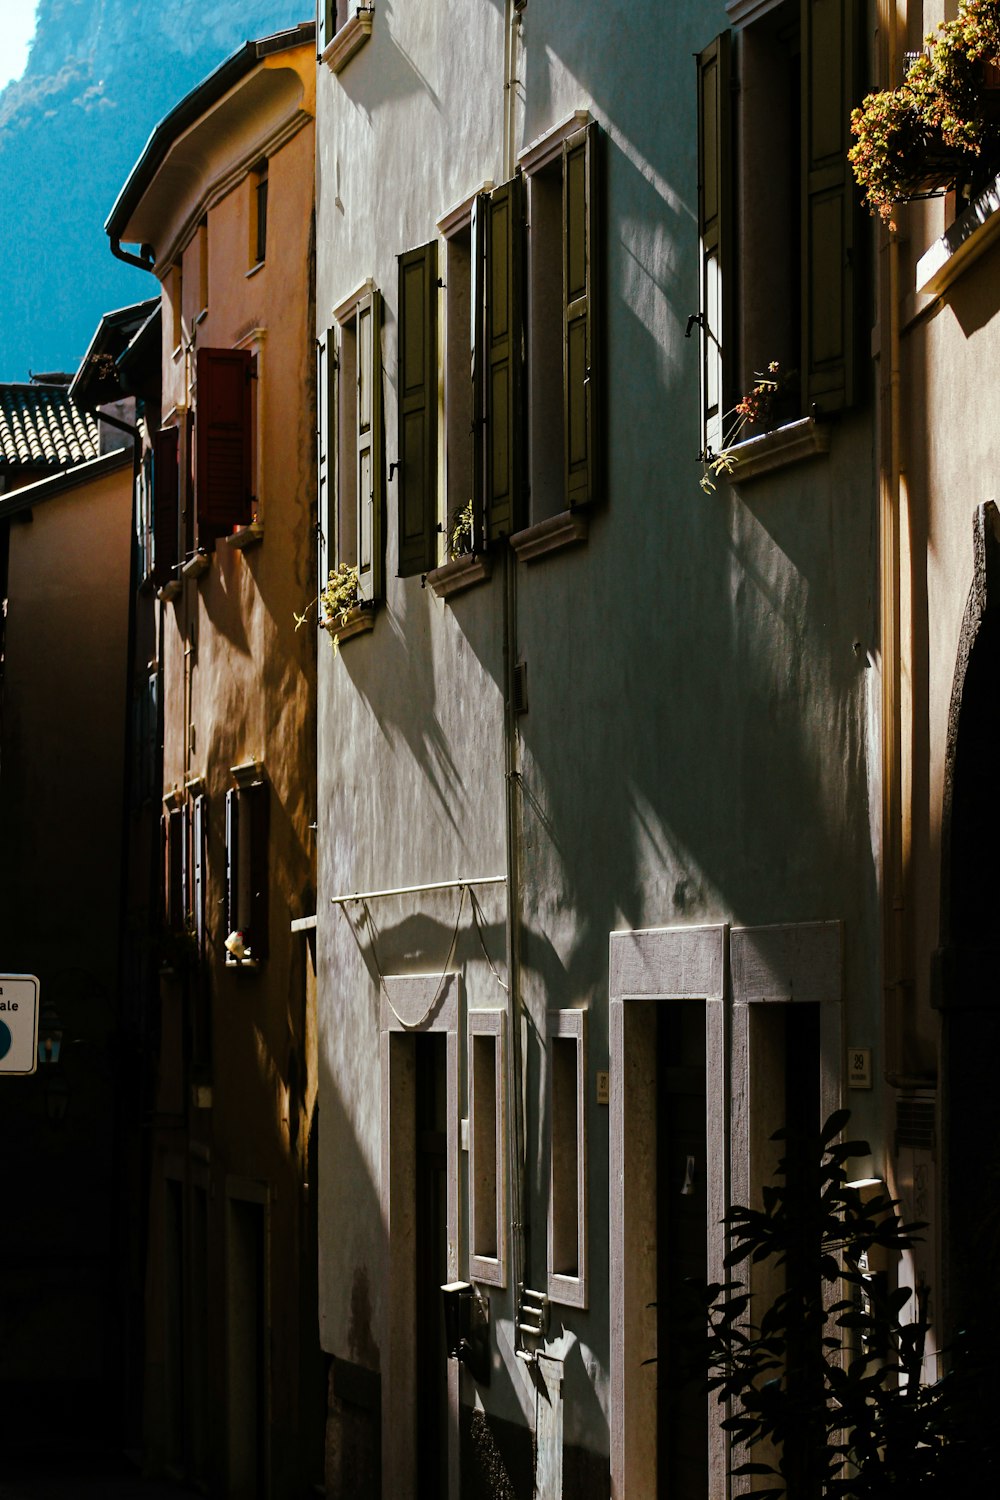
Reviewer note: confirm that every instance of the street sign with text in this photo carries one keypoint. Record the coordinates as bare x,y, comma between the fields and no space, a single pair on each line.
18,1023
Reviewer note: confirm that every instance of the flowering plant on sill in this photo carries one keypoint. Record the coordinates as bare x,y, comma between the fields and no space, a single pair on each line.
756,409
940,125
460,543
335,601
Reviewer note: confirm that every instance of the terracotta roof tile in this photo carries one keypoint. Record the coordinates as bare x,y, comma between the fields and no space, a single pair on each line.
41,427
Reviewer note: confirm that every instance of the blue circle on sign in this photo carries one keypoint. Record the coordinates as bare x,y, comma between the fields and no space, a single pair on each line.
5,1039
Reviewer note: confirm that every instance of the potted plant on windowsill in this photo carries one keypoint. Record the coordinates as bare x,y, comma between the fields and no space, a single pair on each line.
342,611
465,566
765,406
941,126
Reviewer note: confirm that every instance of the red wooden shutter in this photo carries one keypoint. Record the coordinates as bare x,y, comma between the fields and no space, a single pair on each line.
165,502
223,426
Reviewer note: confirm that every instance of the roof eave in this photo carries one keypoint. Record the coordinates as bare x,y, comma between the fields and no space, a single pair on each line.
187,111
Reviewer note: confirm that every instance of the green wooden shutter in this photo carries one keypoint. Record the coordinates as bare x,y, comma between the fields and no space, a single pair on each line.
714,228
829,294
370,488
581,316
477,363
326,23
326,453
416,395
503,359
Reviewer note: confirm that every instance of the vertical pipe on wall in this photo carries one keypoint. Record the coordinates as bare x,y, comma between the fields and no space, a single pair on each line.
516,1076
893,872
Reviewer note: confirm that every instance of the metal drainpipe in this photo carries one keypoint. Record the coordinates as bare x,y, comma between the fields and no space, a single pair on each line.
144,264
517,1083
516,1080
893,863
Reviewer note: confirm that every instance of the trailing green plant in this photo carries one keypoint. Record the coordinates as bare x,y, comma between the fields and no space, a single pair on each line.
755,409
937,127
824,1384
335,600
460,543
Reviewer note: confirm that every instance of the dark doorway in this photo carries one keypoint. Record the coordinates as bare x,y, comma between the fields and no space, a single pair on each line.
682,1238
431,1182
971,986
248,1405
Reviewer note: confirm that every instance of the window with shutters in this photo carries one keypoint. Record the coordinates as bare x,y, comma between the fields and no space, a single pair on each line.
350,453
247,819
174,866
777,212
197,838
224,442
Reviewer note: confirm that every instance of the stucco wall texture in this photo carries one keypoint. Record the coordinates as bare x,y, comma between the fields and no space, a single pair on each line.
701,741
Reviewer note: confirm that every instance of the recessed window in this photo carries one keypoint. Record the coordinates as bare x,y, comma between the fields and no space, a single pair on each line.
780,249
175,283
258,214
247,822
487,1259
203,265
568,1166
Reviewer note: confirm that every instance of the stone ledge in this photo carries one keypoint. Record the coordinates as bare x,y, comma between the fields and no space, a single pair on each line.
459,574
790,444
972,233
355,622
550,535
246,537
195,566
349,39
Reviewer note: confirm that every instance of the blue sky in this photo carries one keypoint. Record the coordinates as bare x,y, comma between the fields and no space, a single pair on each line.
17,27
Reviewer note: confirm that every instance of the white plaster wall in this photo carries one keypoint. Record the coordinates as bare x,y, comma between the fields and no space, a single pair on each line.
698,743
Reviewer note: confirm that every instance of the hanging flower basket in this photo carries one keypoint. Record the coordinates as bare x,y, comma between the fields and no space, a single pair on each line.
941,127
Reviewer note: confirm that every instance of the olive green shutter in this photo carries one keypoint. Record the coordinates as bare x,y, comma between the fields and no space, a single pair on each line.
502,359
327,23
715,230
370,492
416,394
326,461
477,364
829,89
581,373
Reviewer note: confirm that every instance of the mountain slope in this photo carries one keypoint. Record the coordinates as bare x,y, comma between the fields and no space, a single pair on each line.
100,74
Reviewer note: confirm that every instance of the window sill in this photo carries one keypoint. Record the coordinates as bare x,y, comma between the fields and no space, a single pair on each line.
355,622
250,964
972,233
569,1291
790,444
459,574
247,536
349,39
195,566
550,535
